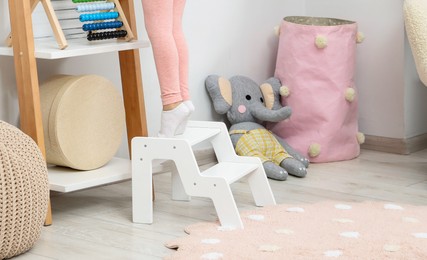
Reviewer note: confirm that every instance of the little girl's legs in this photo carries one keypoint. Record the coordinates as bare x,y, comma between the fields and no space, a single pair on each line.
159,22
181,45
158,16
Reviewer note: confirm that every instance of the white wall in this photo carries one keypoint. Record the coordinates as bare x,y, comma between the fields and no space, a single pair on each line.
236,37
8,103
392,99
224,37
380,68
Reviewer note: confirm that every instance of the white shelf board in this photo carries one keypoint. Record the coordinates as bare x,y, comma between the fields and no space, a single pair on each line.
64,179
47,48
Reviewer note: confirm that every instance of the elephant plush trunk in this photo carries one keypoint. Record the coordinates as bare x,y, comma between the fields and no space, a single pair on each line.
260,112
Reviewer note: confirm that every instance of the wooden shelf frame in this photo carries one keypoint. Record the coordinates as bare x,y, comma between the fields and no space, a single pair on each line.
53,20
28,85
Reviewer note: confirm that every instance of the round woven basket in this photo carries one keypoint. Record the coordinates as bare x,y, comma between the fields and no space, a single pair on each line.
316,61
24,191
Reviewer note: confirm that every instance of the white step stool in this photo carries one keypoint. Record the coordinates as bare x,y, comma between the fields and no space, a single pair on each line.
187,180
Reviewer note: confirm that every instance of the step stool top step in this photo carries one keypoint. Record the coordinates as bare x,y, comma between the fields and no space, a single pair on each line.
195,135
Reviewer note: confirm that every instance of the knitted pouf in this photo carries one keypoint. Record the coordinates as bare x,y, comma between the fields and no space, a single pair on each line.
24,191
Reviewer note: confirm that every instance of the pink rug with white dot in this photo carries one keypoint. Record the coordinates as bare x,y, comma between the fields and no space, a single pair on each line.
327,230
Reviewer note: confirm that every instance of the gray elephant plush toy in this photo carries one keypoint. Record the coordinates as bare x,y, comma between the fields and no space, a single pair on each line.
248,106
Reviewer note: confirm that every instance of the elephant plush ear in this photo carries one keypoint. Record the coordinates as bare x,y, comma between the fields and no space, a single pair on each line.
268,94
225,88
271,93
220,91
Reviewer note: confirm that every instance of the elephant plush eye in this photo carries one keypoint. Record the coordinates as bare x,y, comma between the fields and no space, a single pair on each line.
248,97
261,99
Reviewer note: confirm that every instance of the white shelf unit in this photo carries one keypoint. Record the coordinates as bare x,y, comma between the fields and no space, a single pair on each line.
62,179
26,50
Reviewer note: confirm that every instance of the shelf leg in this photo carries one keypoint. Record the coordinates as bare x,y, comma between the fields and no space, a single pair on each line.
131,78
133,95
132,87
26,74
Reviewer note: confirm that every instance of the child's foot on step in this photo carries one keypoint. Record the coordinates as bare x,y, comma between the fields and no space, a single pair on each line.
172,119
181,128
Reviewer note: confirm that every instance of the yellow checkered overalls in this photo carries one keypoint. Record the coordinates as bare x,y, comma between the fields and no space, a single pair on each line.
260,143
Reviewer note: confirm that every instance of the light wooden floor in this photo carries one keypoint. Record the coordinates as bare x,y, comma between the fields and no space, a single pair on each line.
96,223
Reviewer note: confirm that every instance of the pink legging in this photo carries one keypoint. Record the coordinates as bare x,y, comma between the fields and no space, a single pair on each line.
163,22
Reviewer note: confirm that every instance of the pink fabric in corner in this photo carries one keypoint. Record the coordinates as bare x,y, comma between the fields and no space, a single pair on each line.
318,79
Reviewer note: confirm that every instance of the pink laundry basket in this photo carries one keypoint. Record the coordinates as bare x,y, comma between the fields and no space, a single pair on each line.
316,61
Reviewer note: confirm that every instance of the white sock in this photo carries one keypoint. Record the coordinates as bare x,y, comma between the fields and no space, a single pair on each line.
171,119
181,128
189,105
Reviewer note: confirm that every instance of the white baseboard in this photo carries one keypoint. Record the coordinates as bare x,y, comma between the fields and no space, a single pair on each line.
395,145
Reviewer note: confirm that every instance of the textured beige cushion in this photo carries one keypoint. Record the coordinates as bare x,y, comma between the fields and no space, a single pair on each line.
24,191
415,14
83,120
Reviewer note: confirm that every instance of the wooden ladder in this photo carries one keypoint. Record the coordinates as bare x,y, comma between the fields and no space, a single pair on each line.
188,180
53,20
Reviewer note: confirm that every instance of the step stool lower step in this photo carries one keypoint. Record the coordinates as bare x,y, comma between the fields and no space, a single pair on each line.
230,171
